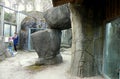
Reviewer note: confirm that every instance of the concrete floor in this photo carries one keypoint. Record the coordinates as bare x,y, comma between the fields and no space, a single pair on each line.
19,67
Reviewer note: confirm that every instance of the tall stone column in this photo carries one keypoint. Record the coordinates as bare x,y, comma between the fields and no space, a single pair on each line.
82,64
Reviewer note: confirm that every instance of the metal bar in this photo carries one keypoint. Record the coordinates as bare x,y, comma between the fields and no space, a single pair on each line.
12,9
7,7
5,22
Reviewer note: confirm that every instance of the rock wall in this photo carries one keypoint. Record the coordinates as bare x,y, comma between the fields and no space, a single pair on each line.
40,20
86,45
34,20
27,23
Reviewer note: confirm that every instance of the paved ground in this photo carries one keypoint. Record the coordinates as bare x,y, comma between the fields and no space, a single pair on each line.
19,67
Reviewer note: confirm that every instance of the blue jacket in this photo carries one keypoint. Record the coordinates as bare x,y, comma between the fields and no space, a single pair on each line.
15,40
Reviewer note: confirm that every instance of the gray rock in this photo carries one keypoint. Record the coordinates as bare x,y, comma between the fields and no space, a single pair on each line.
58,17
56,60
47,45
23,39
39,17
27,23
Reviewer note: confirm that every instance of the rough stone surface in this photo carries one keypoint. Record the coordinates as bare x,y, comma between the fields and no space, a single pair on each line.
47,45
84,45
27,23
39,17
56,60
58,17
23,40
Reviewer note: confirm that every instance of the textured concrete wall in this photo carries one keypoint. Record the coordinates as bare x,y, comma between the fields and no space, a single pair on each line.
86,37
27,23
98,41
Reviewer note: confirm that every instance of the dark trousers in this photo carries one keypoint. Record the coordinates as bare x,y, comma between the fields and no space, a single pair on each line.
15,48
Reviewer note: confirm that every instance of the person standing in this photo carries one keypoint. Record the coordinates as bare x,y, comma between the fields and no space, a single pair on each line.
15,42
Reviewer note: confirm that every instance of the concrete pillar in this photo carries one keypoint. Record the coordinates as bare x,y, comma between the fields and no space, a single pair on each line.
82,43
2,21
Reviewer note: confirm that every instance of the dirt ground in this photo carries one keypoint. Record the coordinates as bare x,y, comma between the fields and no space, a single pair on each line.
22,66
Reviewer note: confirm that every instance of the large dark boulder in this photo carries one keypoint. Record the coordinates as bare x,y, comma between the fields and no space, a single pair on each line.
58,17
47,45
